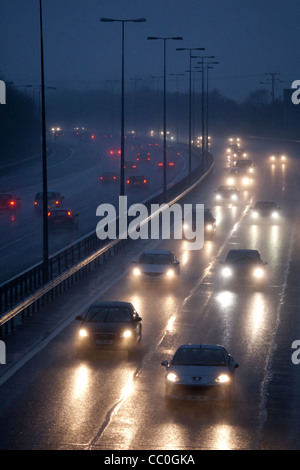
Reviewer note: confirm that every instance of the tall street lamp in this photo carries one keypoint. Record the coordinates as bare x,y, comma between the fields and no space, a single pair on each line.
122,170
165,39
190,99
203,98
44,158
207,68
177,101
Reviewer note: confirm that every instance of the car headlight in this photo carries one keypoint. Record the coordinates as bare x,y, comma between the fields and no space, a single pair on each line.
170,273
83,333
209,227
222,379
234,197
275,215
172,377
137,271
218,197
254,215
251,170
283,158
230,181
245,181
272,158
226,272
126,334
258,273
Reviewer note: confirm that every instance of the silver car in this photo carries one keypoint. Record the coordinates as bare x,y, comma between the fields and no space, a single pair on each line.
200,372
156,265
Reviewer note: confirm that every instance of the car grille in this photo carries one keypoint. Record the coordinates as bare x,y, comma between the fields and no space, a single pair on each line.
153,274
104,338
196,390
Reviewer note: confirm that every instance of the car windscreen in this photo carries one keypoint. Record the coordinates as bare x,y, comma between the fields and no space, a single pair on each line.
265,205
108,314
199,356
243,163
243,257
155,259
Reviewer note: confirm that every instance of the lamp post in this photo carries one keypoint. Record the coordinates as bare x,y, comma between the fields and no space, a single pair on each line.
122,170
207,68
165,39
203,101
190,98
177,101
44,159
135,80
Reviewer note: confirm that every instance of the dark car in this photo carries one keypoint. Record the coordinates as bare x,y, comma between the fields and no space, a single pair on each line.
244,266
227,194
55,199
130,166
60,219
210,224
265,210
109,325
143,157
137,181
245,164
108,177
200,372
9,202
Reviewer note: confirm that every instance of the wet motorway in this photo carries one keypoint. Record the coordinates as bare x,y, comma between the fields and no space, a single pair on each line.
111,402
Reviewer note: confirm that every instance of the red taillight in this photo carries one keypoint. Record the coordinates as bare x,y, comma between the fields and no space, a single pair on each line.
101,177
69,213
12,203
160,164
35,203
49,213
111,152
115,177
133,166
119,152
57,202
128,181
145,181
171,164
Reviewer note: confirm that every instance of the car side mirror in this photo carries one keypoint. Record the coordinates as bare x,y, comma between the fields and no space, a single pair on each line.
165,363
176,262
138,318
236,365
79,318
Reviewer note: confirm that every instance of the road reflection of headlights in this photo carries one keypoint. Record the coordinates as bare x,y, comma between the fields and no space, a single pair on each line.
172,377
275,215
137,272
170,273
234,197
83,333
258,273
126,334
227,272
222,379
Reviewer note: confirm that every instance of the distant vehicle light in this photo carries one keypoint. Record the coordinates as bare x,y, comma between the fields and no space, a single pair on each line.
234,197
230,181
218,197
258,273
170,273
83,333
12,203
209,227
69,213
222,379
128,181
275,215
246,181
172,377
49,213
227,272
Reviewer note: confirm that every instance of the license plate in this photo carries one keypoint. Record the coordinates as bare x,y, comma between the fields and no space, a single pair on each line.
104,341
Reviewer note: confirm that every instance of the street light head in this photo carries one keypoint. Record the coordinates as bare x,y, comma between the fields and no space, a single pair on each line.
151,38
107,20
139,20
177,38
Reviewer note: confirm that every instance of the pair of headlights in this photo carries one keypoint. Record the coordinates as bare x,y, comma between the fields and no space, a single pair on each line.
83,333
274,215
221,379
233,197
169,273
258,273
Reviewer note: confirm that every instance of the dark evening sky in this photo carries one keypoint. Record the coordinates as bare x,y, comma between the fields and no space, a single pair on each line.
248,37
